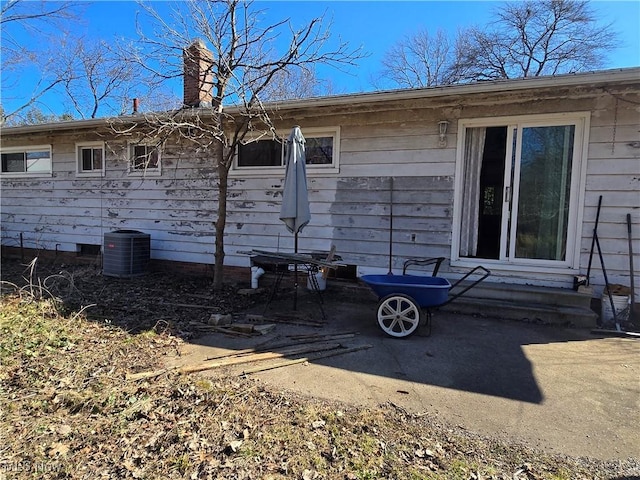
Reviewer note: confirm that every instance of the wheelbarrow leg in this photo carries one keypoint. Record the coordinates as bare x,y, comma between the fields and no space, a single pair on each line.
427,323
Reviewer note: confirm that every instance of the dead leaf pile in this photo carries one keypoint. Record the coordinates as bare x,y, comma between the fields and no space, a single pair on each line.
173,303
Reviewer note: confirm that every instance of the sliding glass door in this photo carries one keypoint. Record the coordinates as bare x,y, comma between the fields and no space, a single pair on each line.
518,190
543,164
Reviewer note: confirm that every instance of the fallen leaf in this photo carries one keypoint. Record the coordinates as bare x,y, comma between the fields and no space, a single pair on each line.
128,464
309,474
58,449
235,445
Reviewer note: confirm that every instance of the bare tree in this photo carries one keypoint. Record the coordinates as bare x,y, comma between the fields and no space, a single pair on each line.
221,47
35,19
419,60
34,116
526,38
296,82
90,77
96,79
532,38
23,11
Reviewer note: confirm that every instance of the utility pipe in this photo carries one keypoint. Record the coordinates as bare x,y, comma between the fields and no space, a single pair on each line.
256,273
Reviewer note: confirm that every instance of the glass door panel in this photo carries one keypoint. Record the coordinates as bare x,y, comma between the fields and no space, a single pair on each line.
543,193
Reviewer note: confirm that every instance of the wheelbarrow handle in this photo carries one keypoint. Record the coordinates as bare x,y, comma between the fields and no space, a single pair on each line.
479,268
437,261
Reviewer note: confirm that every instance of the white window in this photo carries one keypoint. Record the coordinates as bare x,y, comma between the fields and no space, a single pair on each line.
518,191
268,155
90,159
21,161
144,158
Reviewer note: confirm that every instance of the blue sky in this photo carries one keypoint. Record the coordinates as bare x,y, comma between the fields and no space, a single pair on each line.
373,25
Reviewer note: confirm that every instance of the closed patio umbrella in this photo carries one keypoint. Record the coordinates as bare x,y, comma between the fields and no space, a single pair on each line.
294,211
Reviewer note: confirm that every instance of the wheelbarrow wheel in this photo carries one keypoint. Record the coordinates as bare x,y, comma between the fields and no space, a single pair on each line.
399,315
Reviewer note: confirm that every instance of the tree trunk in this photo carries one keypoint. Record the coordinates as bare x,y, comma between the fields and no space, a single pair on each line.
221,221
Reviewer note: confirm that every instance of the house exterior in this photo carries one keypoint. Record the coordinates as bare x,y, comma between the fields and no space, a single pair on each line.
506,174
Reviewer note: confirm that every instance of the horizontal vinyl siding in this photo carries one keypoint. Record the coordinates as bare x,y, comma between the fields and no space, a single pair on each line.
613,172
57,213
353,215
351,209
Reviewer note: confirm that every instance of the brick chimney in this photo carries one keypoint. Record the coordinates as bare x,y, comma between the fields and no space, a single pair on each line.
198,79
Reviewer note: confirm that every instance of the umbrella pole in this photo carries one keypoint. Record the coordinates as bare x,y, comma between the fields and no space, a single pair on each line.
295,273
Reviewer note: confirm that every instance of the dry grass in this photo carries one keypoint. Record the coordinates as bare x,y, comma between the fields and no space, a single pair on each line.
67,411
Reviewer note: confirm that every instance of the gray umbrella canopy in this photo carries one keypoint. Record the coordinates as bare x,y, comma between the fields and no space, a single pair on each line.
295,197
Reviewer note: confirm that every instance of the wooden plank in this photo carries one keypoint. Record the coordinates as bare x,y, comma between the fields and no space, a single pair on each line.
315,338
620,183
604,133
416,158
309,358
624,166
399,170
399,142
621,149
390,129
293,350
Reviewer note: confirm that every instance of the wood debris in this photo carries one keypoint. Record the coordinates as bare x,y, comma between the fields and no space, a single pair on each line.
233,359
310,358
270,347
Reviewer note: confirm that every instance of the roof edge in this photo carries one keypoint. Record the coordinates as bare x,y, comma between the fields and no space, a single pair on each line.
618,75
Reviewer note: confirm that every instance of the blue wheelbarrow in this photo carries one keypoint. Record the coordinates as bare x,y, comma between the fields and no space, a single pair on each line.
405,301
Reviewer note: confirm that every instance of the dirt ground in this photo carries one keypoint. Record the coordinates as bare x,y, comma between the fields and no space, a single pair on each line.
562,391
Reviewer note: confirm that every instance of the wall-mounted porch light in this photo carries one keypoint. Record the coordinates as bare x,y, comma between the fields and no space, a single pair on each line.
442,130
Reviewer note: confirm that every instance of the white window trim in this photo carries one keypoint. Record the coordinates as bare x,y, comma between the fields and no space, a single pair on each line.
90,173
33,148
312,170
578,185
147,172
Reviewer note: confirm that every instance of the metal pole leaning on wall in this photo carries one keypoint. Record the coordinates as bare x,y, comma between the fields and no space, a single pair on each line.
595,243
593,240
631,271
390,225
606,283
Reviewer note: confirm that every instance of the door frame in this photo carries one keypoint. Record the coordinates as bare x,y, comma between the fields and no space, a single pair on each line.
578,184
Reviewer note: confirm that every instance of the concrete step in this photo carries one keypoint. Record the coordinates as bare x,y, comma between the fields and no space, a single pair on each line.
527,303
517,302
576,316
527,294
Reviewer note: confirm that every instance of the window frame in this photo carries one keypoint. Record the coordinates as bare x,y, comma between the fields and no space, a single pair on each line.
144,172
263,168
571,264
25,151
312,169
80,172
